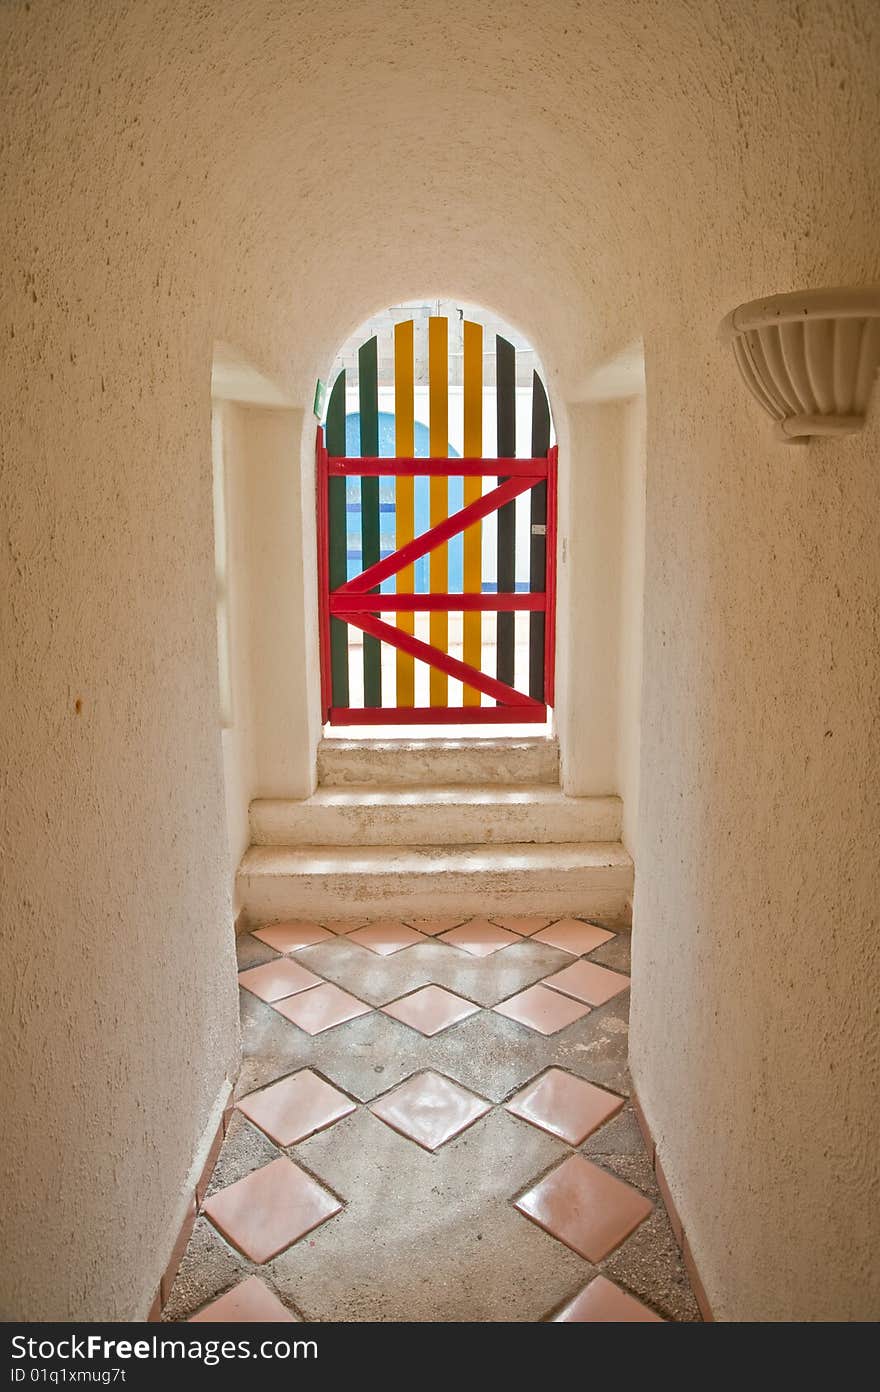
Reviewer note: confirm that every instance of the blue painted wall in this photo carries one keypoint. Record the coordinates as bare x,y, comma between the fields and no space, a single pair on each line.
386,504
386,508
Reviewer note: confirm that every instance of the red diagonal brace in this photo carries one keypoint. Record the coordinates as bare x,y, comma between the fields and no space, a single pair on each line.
461,671
435,536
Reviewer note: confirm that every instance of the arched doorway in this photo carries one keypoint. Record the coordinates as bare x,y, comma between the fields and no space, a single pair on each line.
437,491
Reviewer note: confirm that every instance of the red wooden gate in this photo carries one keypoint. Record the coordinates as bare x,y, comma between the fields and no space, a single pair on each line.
353,602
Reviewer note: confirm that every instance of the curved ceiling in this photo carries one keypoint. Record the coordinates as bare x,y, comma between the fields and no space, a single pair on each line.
555,161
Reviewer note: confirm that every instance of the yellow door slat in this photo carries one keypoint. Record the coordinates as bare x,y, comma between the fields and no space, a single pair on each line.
404,493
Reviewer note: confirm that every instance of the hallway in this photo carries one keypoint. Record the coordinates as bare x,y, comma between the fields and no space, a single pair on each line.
433,1083
598,282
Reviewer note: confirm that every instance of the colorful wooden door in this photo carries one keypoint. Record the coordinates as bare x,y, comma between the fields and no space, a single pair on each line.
378,593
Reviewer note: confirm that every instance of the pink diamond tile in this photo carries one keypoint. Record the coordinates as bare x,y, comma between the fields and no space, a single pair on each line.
586,1208
568,1107
250,1302
296,1107
289,937
589,982
524,926
430,1109
277,979
573,936
432,926
604,1303
342,925
431,1009
270,1209
322,1008
390,935
539,1009
479,937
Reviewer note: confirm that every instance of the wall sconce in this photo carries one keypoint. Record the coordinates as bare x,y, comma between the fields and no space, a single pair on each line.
810,358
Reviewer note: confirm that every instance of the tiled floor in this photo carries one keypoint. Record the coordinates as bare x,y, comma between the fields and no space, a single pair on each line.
433,1123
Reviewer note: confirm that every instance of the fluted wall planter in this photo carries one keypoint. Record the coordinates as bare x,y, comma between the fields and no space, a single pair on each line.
810,358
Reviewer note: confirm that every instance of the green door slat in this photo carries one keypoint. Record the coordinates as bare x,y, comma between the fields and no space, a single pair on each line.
505,398
368,391
538,538
337,526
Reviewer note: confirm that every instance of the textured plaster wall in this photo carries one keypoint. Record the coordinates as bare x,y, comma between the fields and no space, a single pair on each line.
166,183
590,564
118,1011
754,1003
270,742
602,580
632,469
754,1000
283,655
239,736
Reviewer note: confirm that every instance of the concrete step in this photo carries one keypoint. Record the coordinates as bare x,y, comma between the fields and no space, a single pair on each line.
439,816
437,762
589,878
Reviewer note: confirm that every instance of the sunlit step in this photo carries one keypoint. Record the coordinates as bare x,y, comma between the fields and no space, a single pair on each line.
439,816
592,879
404,762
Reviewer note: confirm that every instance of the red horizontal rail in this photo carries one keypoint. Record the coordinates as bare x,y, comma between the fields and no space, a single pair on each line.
438,715
433,603
353,467
436,536
461,671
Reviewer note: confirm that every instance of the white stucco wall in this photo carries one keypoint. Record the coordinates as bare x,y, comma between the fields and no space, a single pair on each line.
283,659
238,735
268,176
754,1020
590,564
630,631
119,1013
602,580
270,743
